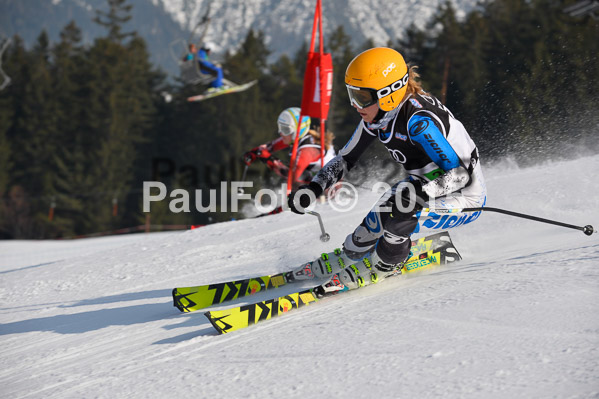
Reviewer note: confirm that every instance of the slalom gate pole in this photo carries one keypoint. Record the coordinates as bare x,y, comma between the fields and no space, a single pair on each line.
588,229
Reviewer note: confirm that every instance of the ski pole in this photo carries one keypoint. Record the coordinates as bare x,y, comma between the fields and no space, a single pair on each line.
324,237
240,190
588,229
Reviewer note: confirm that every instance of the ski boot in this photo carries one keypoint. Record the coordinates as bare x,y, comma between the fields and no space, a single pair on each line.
369,270
324,267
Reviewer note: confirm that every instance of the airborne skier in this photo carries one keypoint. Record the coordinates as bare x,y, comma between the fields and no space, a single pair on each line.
421,134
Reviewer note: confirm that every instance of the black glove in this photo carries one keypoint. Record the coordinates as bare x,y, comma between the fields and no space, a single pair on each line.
413,204
301,199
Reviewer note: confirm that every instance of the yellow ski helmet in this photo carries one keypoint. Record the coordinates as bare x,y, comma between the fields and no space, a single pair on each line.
379,74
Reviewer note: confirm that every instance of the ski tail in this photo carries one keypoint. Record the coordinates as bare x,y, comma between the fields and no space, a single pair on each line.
189,299
432,250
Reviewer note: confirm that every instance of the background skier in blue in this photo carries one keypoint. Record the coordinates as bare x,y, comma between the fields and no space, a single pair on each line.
206,66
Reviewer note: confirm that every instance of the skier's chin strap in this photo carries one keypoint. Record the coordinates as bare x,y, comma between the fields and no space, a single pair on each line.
382,119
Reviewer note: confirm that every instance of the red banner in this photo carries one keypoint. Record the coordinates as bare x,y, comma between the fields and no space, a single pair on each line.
318,85
317,68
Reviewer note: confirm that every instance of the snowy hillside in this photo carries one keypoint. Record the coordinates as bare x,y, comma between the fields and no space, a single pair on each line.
286,24
518,317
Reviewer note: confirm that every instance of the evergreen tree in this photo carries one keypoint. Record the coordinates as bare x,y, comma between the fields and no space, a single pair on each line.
6,115
342,117
81,126
251,107
34,134
114,19
569,61
14,64
123,105
69,157
117,112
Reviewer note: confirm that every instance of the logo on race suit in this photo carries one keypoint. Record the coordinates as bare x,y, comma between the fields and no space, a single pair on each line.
436,147
443,222
398,156
415,103
418,127
400,136
384,135
389,69
373,222
433,174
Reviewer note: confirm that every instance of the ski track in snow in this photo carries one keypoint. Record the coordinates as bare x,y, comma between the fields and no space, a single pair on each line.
516,318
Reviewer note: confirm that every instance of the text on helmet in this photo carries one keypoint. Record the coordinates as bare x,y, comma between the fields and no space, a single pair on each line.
389,69
393,87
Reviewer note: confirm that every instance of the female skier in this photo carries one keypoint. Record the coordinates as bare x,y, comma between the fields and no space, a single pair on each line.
420,133
308,150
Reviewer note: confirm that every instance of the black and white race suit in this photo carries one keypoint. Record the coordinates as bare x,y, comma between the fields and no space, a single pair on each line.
435,149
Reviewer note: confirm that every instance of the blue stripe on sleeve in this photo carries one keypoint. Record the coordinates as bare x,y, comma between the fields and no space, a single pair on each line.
425,132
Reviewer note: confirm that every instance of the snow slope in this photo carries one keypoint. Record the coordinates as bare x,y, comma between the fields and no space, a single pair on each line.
518,317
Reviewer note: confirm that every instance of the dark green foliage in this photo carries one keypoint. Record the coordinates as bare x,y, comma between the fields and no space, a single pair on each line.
113,20
522,75
81,127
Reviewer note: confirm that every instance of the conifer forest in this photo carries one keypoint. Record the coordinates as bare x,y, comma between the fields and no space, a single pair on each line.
83,125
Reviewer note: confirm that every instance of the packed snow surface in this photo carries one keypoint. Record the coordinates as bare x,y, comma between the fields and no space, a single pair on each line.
518,317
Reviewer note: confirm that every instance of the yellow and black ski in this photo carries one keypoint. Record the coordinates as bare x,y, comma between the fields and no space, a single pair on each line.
236,318
190,299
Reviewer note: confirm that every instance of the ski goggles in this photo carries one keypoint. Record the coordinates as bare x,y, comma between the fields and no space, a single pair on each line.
361,97
286,130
